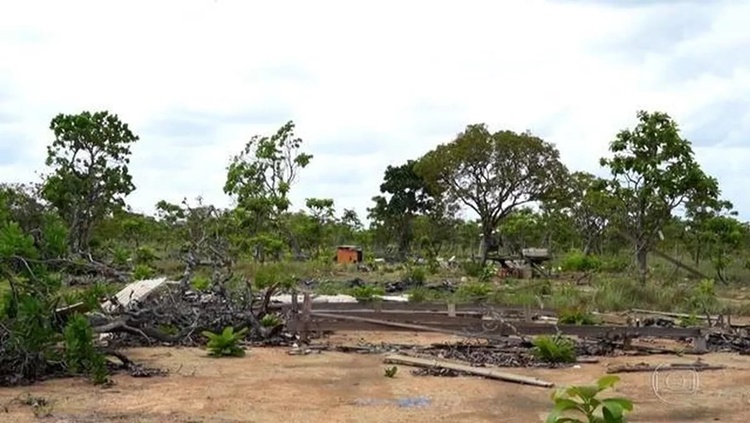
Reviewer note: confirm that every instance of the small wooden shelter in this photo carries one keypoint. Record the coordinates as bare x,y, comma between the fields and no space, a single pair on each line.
349,254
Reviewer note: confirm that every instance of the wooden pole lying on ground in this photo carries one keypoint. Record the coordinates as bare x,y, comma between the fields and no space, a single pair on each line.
478,371
643,367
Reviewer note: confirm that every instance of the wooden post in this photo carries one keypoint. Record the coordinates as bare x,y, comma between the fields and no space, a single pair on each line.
699,344
451,310
295,302
306,310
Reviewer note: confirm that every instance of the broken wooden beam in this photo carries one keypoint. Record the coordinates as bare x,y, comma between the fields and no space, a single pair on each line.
478,371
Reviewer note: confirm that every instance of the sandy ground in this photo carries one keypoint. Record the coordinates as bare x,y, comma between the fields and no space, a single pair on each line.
268,385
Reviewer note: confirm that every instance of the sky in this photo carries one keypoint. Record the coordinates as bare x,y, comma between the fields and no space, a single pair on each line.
369,84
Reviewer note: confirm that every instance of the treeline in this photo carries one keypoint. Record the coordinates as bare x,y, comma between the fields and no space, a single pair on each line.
655,196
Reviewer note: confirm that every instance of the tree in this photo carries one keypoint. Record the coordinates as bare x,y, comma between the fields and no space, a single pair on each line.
653,173
90,178
589,206
407,197
492,173
259,180
322,213
714,233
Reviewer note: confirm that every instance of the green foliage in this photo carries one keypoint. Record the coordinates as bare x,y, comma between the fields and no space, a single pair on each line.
576,261
474,291
142,272
366,292
416,275
89,171
583,400
554,349
576,316
270,275
391,371
226,343
145,256
492,173
200,282
270,321
653,173
80,355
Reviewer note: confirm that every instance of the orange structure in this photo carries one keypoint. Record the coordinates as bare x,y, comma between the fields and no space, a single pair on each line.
348,254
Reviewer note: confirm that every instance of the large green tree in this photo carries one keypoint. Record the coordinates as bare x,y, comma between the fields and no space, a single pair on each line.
654,172
89,176
404,196
493,173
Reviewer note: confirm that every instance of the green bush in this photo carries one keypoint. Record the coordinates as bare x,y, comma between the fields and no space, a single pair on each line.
226,343
472,268
554,349
142,272
576,261
416,275
366,292
81,357
200,282
576,316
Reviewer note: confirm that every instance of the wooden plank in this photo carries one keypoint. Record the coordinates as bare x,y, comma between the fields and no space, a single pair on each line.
495,328
434,307
643,367
478,371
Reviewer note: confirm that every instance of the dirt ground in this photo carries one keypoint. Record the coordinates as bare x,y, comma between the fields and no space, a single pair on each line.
269,385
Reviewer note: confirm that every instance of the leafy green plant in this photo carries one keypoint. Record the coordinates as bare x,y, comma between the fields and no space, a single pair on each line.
200,282
226,343
142,272
80,354
576,316
366,292
554,349
270,321
391,371
583,400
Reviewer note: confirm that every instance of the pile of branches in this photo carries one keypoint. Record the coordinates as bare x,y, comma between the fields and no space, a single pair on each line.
175,316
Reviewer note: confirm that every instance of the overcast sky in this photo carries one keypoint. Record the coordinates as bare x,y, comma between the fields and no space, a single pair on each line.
369,83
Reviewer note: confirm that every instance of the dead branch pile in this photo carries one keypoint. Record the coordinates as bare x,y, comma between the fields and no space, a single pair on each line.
174,316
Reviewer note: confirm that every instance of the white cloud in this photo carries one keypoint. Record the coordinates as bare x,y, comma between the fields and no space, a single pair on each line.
368,84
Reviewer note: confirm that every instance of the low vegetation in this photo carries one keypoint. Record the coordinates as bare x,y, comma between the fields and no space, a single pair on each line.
585,401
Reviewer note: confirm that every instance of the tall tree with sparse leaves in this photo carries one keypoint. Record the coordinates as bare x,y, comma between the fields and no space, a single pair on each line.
654,172
260,178
89,161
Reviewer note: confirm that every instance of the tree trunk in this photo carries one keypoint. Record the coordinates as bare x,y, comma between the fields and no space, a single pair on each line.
641,258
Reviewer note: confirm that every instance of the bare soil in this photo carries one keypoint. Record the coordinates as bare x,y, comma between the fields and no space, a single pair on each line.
269,385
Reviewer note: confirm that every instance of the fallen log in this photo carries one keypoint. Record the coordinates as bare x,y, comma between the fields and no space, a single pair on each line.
643,367
478,371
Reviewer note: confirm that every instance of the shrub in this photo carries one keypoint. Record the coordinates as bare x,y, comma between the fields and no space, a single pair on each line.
583,399
416,275
142,272
576,316
80,354
474,291
226,343
366,292
554,349
200,282
576,261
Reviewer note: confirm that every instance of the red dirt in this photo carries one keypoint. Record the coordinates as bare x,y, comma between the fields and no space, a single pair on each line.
268,385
